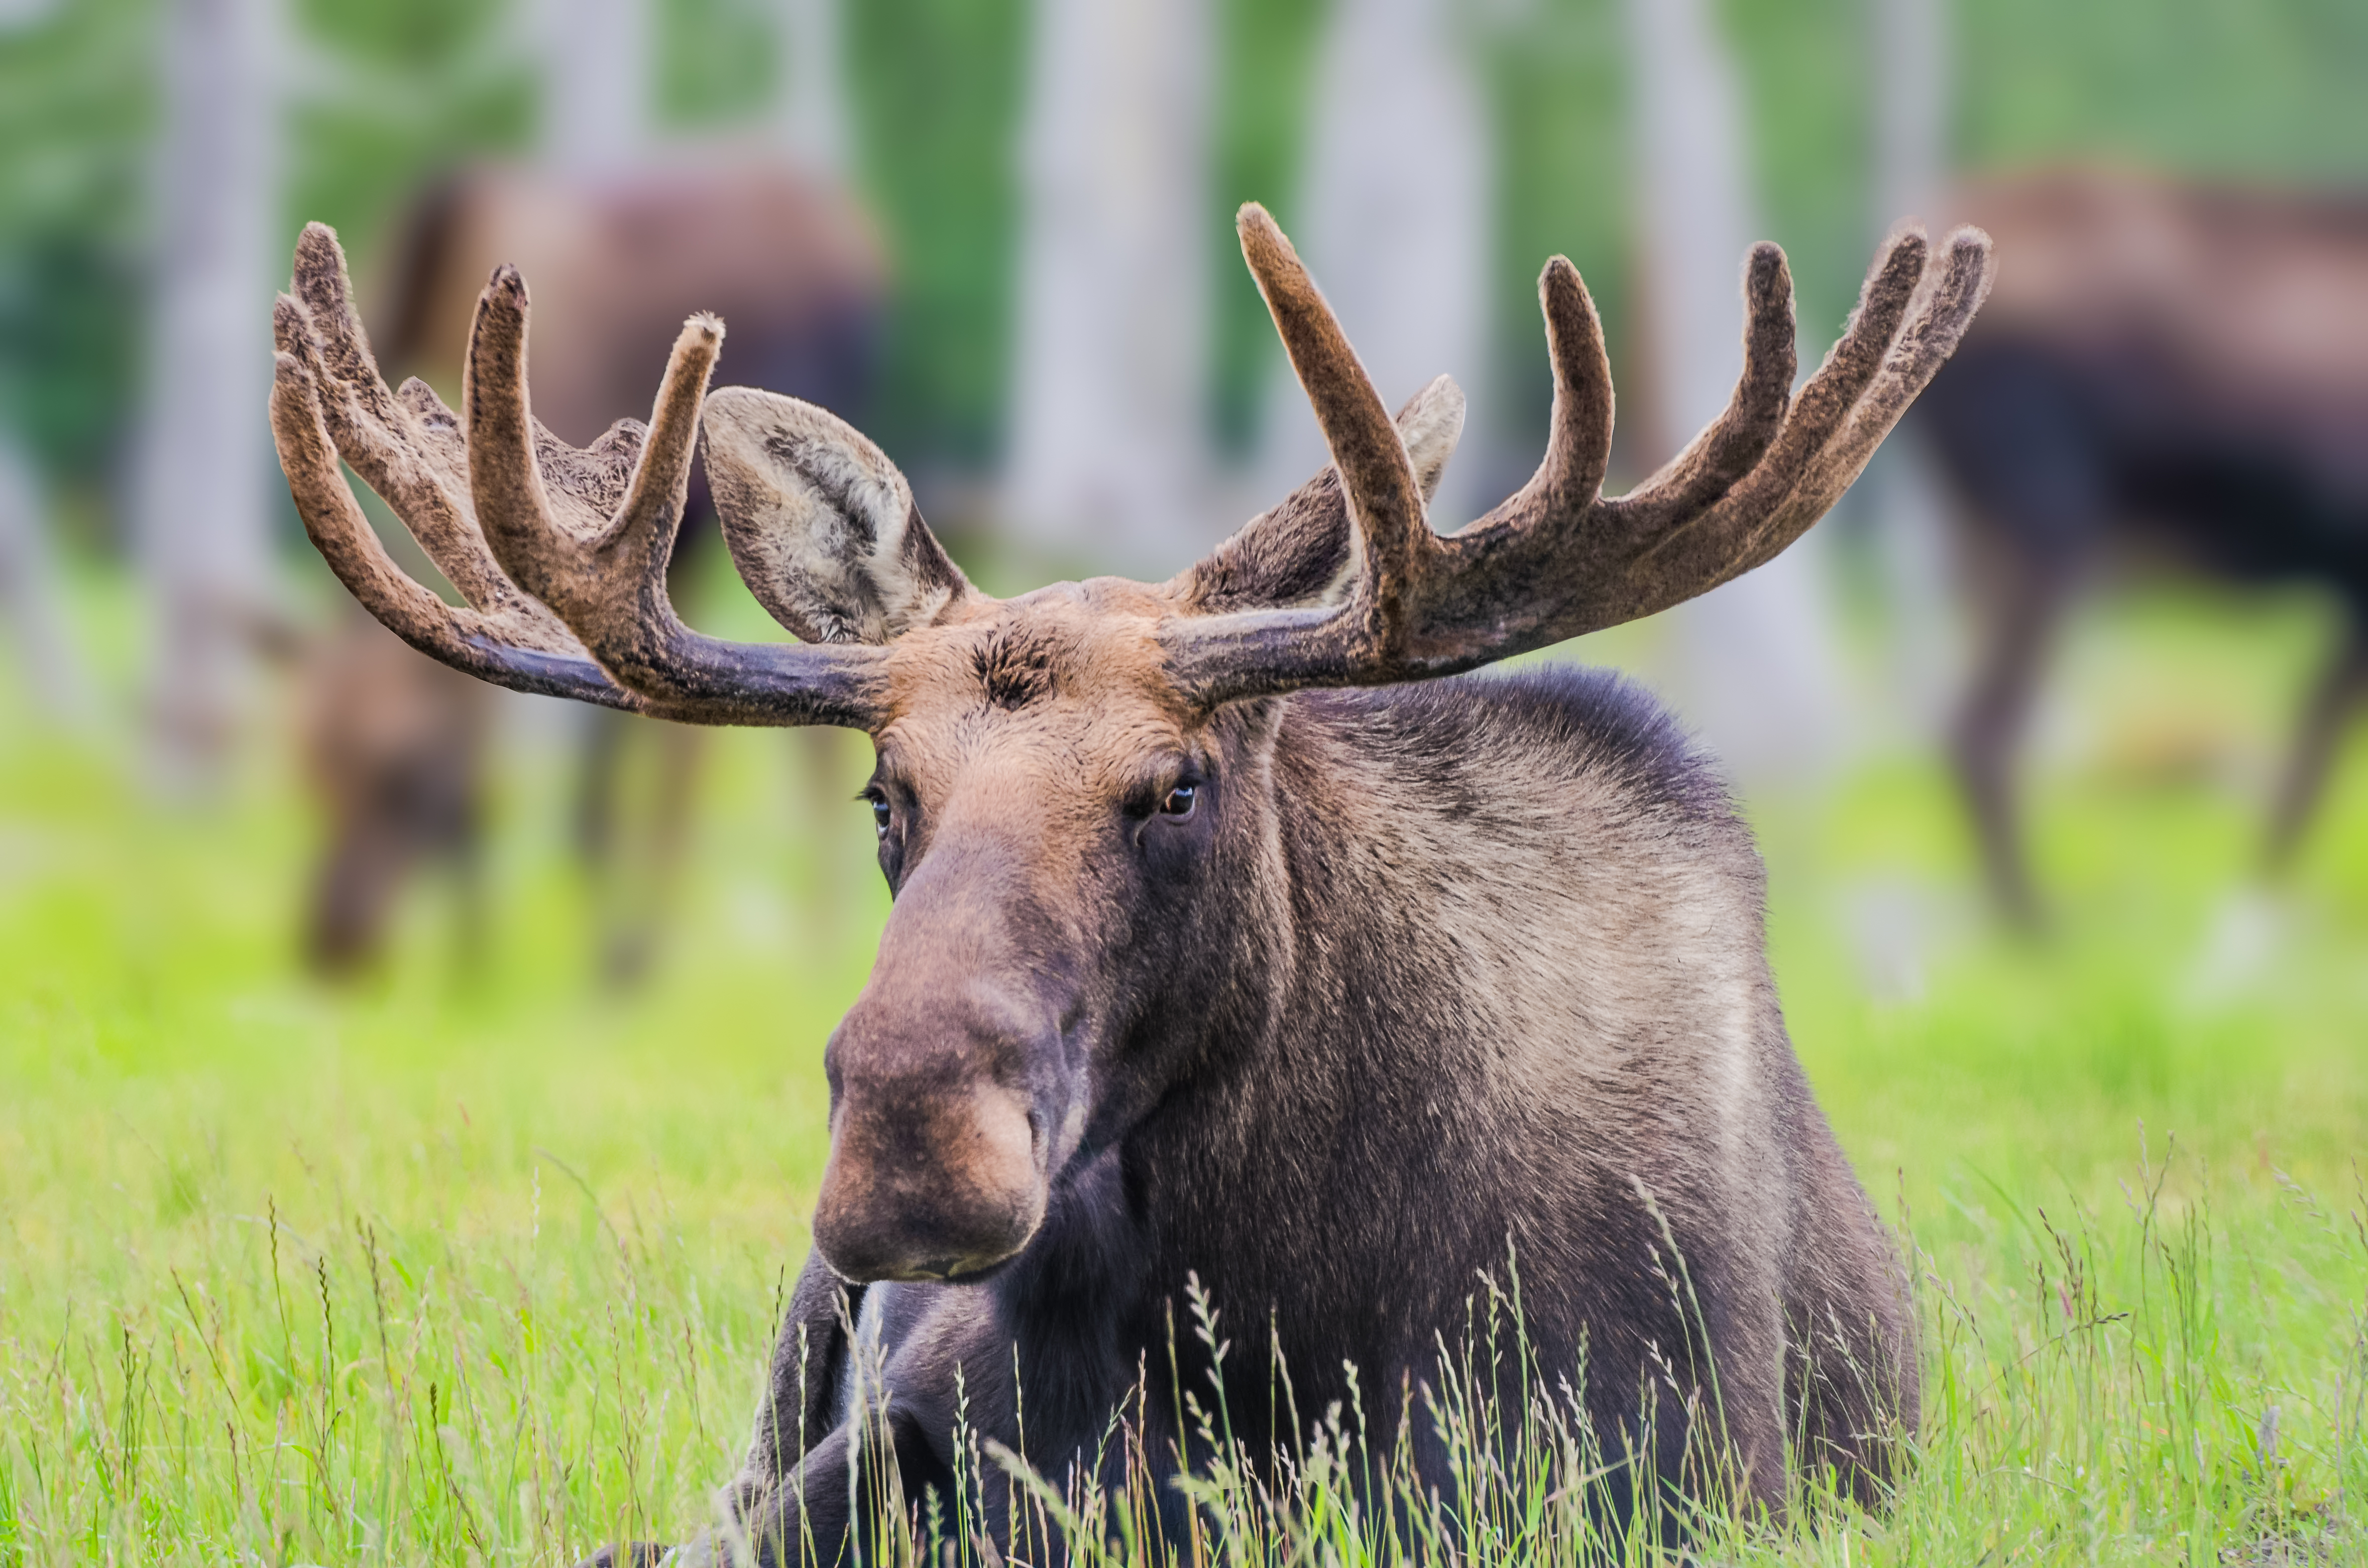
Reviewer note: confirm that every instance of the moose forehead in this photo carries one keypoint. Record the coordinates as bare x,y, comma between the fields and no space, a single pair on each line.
1071,674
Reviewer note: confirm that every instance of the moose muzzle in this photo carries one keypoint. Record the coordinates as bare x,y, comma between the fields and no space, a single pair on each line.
928,1182
930,1186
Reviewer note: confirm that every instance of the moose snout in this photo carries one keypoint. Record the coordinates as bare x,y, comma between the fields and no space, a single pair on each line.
929,1185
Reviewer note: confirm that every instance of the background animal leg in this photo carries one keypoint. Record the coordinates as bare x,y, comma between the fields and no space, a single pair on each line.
358,882
2020,610
596,789
2342,689
631,833
469,895
656,855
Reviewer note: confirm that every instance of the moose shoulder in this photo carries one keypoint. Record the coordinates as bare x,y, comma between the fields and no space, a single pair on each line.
1222,946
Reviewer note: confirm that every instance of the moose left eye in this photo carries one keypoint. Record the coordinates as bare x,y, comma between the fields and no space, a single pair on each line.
1179,801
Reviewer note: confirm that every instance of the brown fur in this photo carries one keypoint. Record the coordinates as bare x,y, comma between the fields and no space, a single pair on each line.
619,259
1327,997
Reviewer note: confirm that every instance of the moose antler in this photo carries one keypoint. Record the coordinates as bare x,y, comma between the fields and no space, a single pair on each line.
1344,584
1558,559
586,531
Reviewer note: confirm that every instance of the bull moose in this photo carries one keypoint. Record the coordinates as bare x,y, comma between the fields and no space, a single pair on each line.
1229,938
2171,372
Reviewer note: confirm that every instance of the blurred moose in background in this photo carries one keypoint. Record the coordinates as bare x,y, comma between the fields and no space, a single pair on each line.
394,745
2165,373
395,741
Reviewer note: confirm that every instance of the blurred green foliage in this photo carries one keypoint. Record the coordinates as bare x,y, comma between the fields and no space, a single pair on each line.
2254,88
398,89
719,62
391,95
1266,75
76,117
938,95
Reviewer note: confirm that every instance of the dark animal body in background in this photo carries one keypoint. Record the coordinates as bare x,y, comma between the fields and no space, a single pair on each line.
2174,373
619,259
393,745
1222,944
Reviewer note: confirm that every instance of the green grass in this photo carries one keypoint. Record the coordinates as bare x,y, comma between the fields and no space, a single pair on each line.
479,1262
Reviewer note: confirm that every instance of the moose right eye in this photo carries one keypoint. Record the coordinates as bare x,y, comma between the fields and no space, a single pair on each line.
880,814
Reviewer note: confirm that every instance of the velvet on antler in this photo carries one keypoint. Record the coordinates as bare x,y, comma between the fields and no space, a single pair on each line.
560,553
1558,559
499,504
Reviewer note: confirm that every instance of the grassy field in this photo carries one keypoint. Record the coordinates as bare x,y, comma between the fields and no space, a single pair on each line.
478,1261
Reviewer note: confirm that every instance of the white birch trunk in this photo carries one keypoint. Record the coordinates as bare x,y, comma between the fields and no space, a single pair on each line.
1395,218
1758,671
1904,494
203,507
1108,458
811,117
597,82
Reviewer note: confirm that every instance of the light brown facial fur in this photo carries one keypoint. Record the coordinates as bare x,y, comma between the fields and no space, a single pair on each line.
1030,749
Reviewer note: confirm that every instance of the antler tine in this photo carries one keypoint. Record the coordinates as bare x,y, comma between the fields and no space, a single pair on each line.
607,582
1377,477
406,447
1303,550
1578,446
1578,441
1916,357
485,645
1846,409
1731,444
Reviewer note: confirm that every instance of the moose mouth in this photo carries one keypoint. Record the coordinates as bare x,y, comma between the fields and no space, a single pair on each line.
960,1272
946,1270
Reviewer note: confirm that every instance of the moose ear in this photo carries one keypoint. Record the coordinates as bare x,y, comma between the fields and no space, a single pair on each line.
820,523
1298,552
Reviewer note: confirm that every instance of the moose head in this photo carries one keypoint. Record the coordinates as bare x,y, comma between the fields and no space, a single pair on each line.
1074,794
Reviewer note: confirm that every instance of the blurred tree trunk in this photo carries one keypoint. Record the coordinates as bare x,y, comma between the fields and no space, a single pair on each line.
1108,460
1395,218
1905,503
597,82
812,118
1758,671
203,506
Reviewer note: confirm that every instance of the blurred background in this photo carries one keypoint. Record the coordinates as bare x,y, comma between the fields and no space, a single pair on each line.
2076,667
321,966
